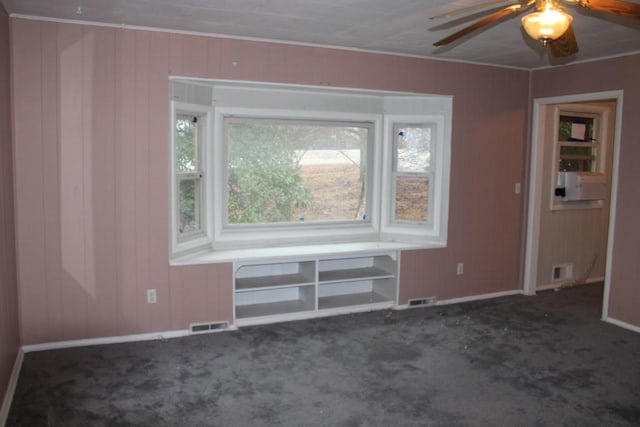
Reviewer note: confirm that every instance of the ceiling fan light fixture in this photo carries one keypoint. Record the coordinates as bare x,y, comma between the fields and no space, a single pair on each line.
547,23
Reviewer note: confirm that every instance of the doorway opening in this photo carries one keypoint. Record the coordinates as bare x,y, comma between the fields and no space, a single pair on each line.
569,237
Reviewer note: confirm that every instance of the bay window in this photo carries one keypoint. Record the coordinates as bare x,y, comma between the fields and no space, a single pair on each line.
258,166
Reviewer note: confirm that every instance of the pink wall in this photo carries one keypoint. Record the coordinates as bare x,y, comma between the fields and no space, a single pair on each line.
91,108
9,333
613,74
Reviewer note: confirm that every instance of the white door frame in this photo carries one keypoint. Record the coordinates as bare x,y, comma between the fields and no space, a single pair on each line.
535,202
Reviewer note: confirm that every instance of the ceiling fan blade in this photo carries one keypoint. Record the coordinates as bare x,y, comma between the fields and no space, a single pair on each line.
469,9
502,13
617,7
565,45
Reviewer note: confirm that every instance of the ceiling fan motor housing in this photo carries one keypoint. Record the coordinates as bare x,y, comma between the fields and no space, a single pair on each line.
548,22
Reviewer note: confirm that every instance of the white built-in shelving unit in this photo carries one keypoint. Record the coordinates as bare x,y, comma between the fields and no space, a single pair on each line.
276,291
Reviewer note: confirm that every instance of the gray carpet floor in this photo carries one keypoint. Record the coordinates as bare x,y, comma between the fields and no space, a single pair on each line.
516,361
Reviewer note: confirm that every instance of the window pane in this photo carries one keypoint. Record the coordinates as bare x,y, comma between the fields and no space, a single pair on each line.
577,159
284,172
189,201
411,198
576,165
186,143
413,149
576,128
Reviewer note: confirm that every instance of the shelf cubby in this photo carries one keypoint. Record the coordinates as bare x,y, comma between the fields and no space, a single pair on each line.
268,292
272,302
251,277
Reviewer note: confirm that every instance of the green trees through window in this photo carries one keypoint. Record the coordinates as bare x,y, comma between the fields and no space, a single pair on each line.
188,134
287,171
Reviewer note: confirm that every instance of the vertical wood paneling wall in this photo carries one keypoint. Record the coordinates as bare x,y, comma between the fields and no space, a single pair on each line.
613,74
9,330
91,141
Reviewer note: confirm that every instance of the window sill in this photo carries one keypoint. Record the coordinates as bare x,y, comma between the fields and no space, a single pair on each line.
274,253
576,205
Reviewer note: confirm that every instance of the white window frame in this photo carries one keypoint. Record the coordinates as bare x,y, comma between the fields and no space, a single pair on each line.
383,110
435,228
595,144
369,161
196,240
429,174
601,123
233,236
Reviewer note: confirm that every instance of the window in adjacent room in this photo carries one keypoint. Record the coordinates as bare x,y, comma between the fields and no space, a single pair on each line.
577,145
580,177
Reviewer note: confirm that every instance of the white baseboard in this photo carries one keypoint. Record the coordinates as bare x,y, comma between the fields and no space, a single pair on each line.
11,388
105,340
622,324
464,299
480,297
568,284
114,340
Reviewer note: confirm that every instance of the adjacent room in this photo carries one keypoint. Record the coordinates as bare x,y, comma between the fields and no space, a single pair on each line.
319,212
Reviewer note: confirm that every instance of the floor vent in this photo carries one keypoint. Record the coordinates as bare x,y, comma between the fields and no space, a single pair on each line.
561,272
422,302
199,328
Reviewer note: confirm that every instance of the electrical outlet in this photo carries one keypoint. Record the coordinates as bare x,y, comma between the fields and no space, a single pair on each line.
517,189
152,298
460,268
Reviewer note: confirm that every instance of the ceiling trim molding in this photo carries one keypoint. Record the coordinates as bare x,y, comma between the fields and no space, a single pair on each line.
256,39
584,61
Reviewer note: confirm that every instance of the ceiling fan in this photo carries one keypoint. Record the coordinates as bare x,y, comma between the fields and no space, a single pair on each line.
549,22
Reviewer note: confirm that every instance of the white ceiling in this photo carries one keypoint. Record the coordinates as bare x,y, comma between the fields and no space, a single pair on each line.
395,26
